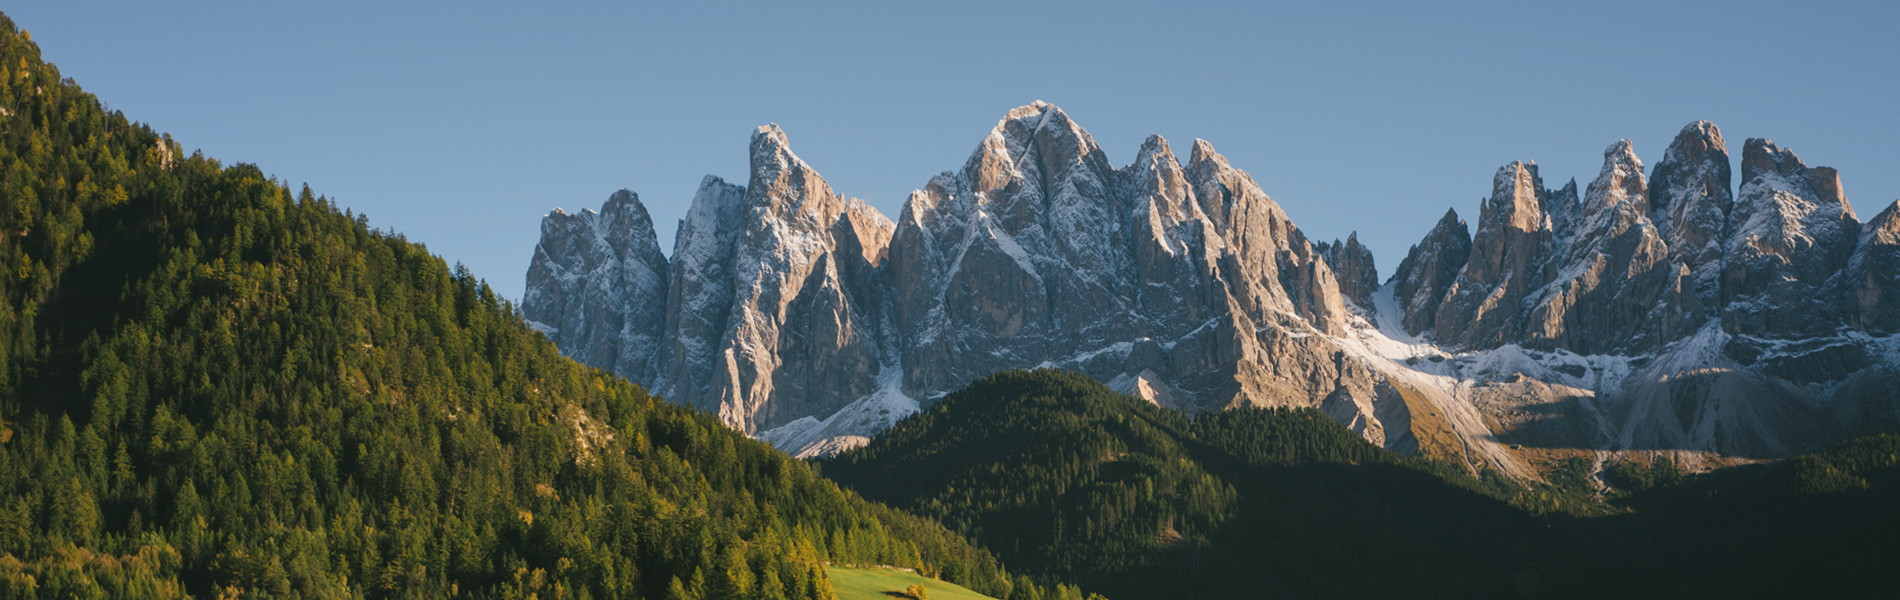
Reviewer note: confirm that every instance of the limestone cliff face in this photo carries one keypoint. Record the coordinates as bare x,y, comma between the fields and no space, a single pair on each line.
1353,265
791,309
1512,255
1790,230
1165,276
1615,288
700,296
1428,271
594,279
802,331
1646,314
1689,198
1869,287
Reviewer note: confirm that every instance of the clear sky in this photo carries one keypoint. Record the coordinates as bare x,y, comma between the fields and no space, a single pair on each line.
461,124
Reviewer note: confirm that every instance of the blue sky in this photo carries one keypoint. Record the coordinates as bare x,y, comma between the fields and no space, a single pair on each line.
461,124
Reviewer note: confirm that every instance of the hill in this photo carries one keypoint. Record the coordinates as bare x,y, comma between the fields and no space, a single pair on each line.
1064,478
215,385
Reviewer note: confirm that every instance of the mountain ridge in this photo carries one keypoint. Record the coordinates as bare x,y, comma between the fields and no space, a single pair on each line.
1186,283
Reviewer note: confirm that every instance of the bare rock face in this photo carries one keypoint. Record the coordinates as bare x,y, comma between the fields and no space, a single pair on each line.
1565,212
1790,230
1512,255
1263,248
1015,257
802,333
1871,282
1616,289
594,274
1689,198
1036,253
700,297
1353,266
1175,267
1648,315
1429,270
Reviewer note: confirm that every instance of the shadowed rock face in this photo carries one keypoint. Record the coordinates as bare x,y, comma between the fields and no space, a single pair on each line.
1512,255
593,278
1869,288
1647,314
802,332
700,297
1790,230
1689,198
1420,282
1615,288
1353,265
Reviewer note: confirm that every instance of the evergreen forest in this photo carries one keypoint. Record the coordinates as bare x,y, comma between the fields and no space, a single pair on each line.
1066,479
215,385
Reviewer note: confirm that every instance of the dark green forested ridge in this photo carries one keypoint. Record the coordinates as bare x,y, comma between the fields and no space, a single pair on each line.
212,384
1066,479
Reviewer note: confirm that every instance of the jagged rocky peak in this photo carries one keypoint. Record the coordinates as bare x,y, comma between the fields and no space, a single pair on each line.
699,298
1689,198
1428,271
1176,250
1791,228
783,188
1275,270
1564,210
1616,289
803,333
1511,256
1353,266
1871,281
591,273
1025,253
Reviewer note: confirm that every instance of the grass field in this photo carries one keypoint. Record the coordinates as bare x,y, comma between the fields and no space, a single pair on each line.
888,584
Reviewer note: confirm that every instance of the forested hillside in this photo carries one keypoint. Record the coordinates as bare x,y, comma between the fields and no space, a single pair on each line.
216,385
1065,478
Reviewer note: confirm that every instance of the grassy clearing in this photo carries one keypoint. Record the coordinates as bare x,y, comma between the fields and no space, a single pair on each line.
1436,438
888,584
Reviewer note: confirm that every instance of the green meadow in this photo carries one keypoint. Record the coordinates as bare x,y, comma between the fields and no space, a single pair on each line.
852,583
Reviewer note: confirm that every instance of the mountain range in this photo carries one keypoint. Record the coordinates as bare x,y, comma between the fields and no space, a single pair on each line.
1665,310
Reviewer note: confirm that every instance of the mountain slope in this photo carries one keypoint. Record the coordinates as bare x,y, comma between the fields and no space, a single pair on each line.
1064,477
213,385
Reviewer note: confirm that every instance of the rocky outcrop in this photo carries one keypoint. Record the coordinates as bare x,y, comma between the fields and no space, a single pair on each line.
1615,288
1428,271
1870,286
1353,266
1790,230
1036,253
803,333
1016,257
794,310
1176,247
1512,255
1689,198
1631,319
700,296
596,280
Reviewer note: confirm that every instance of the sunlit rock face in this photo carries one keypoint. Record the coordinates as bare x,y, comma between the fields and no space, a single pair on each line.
1655,311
